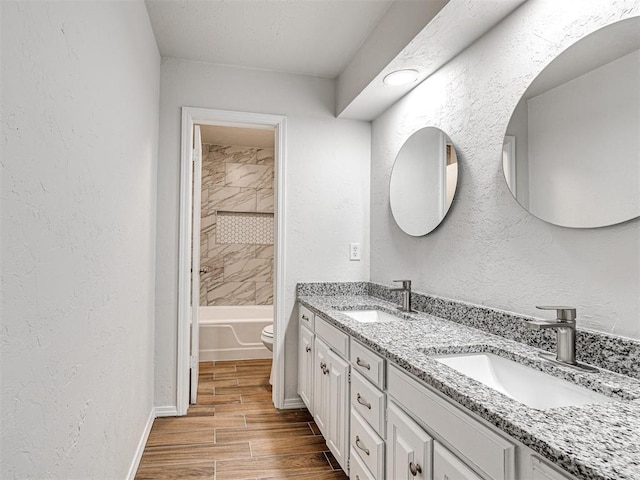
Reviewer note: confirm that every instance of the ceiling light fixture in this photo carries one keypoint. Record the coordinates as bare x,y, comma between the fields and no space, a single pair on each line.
401,77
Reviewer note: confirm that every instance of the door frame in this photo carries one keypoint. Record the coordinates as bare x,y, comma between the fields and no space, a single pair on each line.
205,116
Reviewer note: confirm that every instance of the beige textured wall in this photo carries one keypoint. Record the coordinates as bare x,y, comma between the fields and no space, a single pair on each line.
236,251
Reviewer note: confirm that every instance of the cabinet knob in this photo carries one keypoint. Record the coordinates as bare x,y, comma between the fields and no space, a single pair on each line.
415,468
307,349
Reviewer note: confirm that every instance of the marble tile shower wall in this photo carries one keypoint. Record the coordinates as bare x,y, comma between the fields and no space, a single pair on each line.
237,184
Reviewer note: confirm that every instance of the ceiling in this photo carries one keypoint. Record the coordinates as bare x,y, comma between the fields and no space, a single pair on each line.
355,42
309,37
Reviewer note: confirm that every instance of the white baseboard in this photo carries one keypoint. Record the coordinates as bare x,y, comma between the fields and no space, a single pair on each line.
141,444
167,411
295,402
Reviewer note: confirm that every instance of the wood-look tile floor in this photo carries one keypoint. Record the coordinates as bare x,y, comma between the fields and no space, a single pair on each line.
235,433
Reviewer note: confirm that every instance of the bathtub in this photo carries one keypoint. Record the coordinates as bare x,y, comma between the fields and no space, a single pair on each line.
233,333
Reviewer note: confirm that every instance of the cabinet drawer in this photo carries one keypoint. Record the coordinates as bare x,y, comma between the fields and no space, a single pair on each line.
368,401
305,317
448,467
337,340
485,450
370,364
368,445
357,469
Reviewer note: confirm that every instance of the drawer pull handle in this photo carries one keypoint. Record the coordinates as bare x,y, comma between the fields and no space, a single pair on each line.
360,363
323,367
363,402
307,349
304,317
415,468
359,445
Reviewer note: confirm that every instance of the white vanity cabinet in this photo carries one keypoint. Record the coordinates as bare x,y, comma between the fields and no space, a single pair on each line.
368,409
305,366
447,467
381,423
478,452
409,447
323,380
331,392
540,470
306,339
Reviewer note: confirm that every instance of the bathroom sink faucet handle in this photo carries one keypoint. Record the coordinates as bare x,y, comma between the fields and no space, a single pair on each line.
406,295
562,313
565,327
406,284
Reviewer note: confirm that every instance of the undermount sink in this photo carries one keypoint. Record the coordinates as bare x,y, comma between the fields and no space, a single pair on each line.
370,316
524,384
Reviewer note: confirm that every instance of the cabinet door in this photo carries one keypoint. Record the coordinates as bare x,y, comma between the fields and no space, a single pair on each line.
409,448
542,471
447,467
321,399
305,367
338,409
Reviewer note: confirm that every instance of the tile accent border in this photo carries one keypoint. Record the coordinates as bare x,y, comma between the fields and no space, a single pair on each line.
617,354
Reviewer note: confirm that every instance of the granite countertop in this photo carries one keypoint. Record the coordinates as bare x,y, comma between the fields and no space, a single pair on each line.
597,441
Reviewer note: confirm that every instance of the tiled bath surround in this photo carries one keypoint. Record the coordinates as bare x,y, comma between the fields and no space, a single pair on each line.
236,246
617,354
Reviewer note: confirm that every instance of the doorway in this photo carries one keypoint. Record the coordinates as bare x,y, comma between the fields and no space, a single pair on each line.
207,122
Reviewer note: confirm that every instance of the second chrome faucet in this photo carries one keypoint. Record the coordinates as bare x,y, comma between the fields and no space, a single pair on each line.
405,306
565,326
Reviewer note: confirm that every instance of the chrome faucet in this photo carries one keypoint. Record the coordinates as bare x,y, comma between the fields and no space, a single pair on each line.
406,295
565,326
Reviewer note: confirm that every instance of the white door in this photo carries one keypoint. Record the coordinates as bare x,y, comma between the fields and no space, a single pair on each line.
338,416
408,447
321,399
447,467
195,262
305,367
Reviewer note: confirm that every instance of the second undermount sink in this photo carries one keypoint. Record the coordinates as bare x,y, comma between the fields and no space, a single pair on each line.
526,385
370,316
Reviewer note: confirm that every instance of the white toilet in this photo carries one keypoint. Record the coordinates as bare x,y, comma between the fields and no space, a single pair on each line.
267,340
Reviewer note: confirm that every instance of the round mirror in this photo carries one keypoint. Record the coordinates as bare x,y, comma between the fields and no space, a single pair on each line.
423,181
571,152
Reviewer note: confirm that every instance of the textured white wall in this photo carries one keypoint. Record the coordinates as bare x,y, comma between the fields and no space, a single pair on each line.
327,188
80,88
489,250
